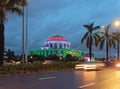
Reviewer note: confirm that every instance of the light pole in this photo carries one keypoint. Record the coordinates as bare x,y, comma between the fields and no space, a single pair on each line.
24,45
23,37
26,33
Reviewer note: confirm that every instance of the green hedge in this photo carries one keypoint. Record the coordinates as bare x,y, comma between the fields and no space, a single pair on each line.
36,67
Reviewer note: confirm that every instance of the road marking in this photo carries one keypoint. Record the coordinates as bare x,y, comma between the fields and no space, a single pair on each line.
47,78
90,84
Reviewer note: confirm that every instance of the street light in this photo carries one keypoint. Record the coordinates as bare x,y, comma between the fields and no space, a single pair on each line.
117,23
25,45
23,36
102,27
26,33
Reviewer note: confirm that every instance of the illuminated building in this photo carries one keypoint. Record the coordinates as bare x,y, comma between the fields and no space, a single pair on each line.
57,45
57,42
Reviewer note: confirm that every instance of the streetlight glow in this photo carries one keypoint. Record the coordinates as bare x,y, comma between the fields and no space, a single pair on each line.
117,23
102,27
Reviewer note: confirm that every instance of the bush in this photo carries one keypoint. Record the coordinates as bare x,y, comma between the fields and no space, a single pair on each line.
36,67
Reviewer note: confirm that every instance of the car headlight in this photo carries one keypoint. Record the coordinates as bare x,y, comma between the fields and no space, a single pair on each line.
90,65
117,65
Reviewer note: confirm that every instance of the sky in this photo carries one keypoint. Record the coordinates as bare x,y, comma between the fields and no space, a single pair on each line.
64,17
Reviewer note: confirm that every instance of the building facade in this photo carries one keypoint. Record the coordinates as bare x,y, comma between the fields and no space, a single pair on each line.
56,45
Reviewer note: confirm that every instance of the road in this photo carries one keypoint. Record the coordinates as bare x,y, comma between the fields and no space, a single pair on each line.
108,78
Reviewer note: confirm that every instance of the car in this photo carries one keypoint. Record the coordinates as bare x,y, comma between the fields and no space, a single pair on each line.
91,65
117,65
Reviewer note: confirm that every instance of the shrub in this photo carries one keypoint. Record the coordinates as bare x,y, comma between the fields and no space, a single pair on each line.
35,67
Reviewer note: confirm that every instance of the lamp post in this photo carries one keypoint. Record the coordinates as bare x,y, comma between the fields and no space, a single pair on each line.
23,37
26,45
117,26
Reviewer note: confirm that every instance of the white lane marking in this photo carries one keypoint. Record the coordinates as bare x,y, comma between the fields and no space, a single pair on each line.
90,84
47,78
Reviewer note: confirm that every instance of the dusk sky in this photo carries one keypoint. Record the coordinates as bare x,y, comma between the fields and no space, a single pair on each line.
64,17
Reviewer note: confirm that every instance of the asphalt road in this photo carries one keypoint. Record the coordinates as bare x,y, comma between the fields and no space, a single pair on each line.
108,78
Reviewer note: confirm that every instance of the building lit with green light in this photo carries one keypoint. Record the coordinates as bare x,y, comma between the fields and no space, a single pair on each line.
58,52
57,45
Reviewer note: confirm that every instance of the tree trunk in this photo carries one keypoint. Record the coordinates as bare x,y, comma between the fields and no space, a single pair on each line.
90,49
107,51
1,43
118,50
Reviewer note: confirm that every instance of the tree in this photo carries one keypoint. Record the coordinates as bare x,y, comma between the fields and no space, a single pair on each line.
53,57
68,57
106,39
10,54
14,6
116,36
90,37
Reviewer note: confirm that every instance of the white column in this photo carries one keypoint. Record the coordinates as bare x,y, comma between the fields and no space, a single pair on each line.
63,45
57,45
53,45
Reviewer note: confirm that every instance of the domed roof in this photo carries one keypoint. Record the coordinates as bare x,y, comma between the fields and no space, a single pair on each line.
56,38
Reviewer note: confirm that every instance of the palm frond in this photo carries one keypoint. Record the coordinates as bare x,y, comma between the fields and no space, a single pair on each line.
87,27
115,36
107,28
18,2
112,43
84,37
92,24
97,27
3,15
14,6
102,43
16,10
96,39
97,35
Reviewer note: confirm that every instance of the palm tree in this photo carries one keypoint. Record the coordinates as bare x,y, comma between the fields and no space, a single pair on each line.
10,55
6,6
106,39
90,37
116,36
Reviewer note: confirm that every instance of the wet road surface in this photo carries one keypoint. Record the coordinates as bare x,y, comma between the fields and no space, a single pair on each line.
108,78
